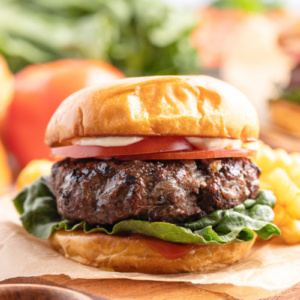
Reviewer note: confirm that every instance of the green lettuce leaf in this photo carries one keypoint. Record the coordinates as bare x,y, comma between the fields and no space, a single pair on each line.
37,207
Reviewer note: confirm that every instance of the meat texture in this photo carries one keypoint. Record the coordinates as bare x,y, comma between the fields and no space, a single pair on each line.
105,192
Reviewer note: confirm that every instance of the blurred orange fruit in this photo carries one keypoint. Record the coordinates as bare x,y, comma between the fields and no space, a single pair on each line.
33,170
212,36
5,172
39,89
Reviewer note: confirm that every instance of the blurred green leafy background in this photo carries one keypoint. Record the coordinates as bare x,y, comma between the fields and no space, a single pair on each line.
251,6
144,37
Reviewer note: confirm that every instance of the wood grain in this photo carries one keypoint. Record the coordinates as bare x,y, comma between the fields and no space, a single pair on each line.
38,291
114,289
123,289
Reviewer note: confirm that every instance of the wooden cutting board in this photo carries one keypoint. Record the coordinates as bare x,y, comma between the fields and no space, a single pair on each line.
117,289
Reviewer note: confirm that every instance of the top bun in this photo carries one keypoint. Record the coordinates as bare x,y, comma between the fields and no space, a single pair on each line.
151,106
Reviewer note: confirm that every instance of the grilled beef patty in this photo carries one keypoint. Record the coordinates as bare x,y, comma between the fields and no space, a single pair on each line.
108,191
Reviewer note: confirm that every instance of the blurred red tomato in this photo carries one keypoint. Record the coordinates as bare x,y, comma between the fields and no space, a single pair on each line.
6,88
39,89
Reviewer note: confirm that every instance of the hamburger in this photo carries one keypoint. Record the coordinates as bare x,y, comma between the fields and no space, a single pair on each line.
154,177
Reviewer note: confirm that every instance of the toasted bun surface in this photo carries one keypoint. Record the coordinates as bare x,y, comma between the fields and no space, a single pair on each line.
286,115
152,106
125,254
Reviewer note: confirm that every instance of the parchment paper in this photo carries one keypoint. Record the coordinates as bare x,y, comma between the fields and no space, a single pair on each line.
269,267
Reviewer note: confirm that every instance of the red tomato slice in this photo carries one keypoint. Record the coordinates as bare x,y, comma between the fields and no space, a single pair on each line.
196,154
147,145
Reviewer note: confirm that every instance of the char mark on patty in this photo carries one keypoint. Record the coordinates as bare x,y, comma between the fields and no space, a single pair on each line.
108,191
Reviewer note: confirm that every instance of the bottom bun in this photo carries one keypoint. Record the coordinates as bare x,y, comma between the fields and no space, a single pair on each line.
135,254
286,115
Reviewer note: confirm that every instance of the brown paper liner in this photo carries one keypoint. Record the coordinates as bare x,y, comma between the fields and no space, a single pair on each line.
267,269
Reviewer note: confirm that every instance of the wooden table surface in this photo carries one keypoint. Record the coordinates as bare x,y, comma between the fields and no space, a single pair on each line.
115,289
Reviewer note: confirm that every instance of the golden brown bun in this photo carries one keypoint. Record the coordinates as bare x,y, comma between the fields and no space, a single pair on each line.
286,115
150,106
135,255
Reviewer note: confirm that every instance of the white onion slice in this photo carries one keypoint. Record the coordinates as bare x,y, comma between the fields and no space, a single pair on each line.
214,143
109,141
